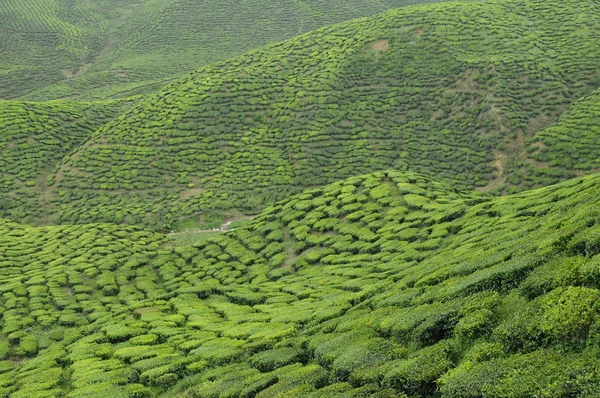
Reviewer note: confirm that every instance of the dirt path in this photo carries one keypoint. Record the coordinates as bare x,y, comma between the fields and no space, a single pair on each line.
224,227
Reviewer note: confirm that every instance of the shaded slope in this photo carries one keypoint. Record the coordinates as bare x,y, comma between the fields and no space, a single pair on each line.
443,89
389,282
45,41
81,49
566,149
34,137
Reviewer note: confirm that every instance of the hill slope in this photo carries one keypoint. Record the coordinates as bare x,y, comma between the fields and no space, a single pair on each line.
94,49
569,148
451,89
34,137
45,41
390,283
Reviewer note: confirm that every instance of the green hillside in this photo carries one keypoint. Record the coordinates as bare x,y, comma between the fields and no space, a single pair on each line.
454,90
53,49
312,199
34,137
46,41
389,284
569,148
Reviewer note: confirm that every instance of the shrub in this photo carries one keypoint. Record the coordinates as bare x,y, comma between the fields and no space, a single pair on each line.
418,375
558,272
267,361
563,316
540,373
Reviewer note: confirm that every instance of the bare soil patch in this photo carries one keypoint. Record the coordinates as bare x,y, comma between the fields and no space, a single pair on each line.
381,46
68,73
191,192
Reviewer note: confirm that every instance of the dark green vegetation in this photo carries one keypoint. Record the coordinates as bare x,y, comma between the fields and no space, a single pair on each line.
387,283
453,90
53,49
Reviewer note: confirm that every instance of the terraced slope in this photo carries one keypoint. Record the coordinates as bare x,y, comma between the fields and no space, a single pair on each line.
389,284
46,41
53,49
451,89
34,137
569,148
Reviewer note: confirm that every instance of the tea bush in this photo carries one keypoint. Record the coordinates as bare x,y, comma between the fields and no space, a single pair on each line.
505,296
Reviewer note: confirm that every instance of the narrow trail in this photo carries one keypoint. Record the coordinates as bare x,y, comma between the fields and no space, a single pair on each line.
224,227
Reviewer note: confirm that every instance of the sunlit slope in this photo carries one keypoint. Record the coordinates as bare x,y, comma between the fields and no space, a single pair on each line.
94,49
34,137
388,283
449,89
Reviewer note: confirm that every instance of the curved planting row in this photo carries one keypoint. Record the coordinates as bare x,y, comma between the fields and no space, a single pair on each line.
386,283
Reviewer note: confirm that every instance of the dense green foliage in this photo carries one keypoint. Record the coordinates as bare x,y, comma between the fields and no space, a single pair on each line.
389,283
53,49
451,89
383,261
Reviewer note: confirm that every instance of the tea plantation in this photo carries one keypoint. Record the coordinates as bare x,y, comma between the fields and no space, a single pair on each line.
45,41
453,90
484,95
250,199
53,49
34,137
566,149
388,284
